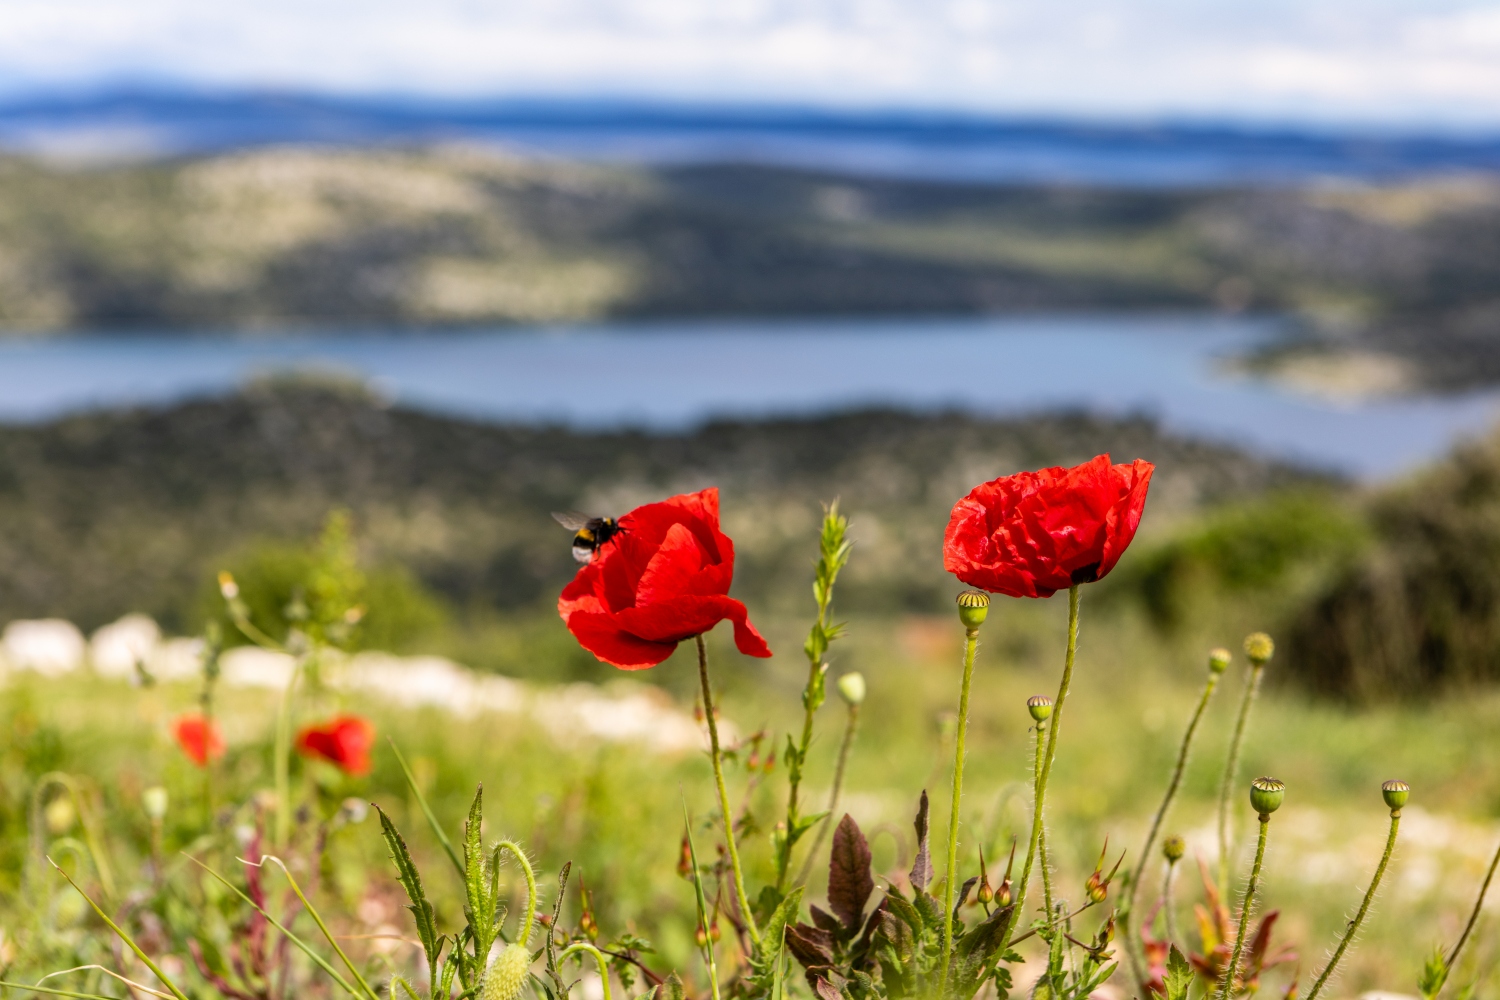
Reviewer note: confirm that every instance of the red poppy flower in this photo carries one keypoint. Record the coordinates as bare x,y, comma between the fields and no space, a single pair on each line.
344,741
199,738
664,578
1035,533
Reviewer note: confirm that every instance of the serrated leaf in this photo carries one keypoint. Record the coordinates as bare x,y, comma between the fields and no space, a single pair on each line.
671,989
1179,978
850,882
902,908
411,880
474,887
921,868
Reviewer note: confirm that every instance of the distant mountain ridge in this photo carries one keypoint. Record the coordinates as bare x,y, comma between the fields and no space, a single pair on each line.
933,145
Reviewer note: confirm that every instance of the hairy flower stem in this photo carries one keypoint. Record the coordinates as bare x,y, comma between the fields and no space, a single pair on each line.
1226,987
1364,907
1132,945
850,728
1041,781
1166,900
1041,729
1463,938
283,760
950,884
810,703
1232,765
714,754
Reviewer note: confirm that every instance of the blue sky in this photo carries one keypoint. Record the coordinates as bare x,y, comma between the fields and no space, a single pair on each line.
1434,63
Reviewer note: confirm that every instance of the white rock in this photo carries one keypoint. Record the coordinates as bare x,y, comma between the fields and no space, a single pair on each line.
251,666
178,660
49,646
116,648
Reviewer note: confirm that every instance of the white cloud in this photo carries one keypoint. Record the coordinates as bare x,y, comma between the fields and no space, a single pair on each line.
1377,60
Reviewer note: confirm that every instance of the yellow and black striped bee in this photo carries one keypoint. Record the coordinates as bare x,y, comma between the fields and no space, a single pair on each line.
590,533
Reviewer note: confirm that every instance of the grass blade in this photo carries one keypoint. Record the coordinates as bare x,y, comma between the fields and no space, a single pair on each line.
318,919
432,821
120,933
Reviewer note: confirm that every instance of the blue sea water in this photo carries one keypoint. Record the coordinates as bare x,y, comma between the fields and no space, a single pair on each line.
675,375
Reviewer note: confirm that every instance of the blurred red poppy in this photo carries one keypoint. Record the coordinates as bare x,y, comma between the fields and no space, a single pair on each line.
344,741
199,738
664,578
1035,533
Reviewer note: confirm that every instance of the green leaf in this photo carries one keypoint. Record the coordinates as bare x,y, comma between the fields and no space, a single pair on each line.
1179,976
474,887
671,989
411,881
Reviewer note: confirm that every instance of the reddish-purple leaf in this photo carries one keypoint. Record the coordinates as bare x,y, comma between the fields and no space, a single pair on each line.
849,880
921,868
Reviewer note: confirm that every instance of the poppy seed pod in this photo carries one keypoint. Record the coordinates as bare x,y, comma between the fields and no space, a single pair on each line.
1395,794
506,975
852,687
1040,707
973,608
1218,660
1174,847
1266,795
154,802
1259,648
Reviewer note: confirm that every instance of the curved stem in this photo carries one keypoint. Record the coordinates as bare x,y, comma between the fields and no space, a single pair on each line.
713,743
1232,765
1364,907
950,884
526,869
584,946
1473,916
850,728
1230,971
1041,728
1041,781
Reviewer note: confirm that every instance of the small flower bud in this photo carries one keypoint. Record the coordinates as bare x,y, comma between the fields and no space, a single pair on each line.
852,687
154,802
973,608
60,815
507,974
1218,660
1259,648
227,587
1174,847
1003,894
1040,707
353,810
699,937
1097,886
713,930
1266,795
685,858
986,893
1395,794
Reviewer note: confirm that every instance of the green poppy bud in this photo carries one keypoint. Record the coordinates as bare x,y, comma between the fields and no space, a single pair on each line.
1266,795
1040,707
154,802
1174,847
1259,648
1395,794
852,687
973,608
1218,660
506,975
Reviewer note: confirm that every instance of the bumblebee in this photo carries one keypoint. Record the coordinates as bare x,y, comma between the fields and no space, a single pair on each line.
590,533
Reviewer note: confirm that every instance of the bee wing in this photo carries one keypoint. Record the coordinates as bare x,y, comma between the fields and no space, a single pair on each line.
571,519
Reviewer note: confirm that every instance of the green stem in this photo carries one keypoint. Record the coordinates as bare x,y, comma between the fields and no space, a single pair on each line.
283,760
1132,943
850,728
950,883
1041,783
713,743
1364,907
584,946
1227,986
1473,916
1166,900
1232,765
529,920
1041,728
815,669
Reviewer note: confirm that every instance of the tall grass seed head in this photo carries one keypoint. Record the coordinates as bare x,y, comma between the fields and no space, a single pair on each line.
1259,648
1266,795
852,687
506,975
973,608
1218,660
1173,848
1395,794
1040,707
